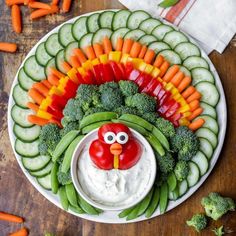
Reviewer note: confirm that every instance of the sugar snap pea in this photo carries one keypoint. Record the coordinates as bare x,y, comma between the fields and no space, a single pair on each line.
161,137
172,182
65,166
54,180
163,198
145,202
71,194
63,198
64,143
168,3
76,209
134,213
156,144
174,194
125,212
154,203
87,207
93,126
96,117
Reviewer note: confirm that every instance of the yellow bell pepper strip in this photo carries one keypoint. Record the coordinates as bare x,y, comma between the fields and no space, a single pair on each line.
87,65
169,86
45,103
61,87
184,108
184,122
155,72
72,75
95,61
81,71
149,68
124,58
114,56
103,58
64,80
187,114
44,115
55,90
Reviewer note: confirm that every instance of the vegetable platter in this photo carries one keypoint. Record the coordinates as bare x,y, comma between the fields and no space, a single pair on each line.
103,48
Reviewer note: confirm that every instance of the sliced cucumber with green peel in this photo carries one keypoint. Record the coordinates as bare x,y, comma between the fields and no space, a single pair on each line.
201,161
20,96
184,70
147,39
195,62
171,56
208,110
105,19
119,33
24,80
45,182
174,38
35,163
208,134
92,22
86,40
120,18
19,115
79,28
200,75
100,35
194,174
187,49
52,45
149,24
45,171
27,149
183,187
26,134
134,34
158,46
210,123
136,18
206,147
51,63
69,50
161,30
60,58
41,55
65,34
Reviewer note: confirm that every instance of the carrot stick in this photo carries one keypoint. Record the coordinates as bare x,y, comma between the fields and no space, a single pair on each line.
90,52
37,120
36,96
142,52
196,124
40,5
66,5
57,73
33,106
135,49
119,44
16,18
127,45
98,49
8,47
171,73
149,56
163,68
177,78
189,91
107,45
43,12
13,2
158,61
195,95
66,66
41,88
21,232
194,105
78,52
195,113
74,62
10,217
55,2
53,80
46,83
184,83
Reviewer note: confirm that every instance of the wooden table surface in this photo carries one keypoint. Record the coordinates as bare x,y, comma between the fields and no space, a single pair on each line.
18,196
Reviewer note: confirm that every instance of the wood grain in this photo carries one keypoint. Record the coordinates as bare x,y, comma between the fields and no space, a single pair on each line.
18,196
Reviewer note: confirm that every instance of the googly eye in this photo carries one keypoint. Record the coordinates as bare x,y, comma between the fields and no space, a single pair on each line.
109,137
122,137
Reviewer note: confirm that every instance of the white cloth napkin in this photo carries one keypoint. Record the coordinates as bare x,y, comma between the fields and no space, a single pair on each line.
211,22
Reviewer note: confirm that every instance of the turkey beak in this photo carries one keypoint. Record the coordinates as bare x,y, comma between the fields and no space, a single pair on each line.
116,149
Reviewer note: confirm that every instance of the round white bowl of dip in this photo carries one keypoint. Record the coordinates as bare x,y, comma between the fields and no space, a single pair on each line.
112,189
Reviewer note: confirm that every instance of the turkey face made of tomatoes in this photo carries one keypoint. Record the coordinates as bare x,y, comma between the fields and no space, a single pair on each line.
115,148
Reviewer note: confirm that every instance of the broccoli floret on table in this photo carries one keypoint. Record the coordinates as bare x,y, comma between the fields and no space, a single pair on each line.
143,102
48,139
126,110
181,170
150,117
198,221
70,126
216,206
128,88
165,126
93,110
72,111
219,231
165,163
185,142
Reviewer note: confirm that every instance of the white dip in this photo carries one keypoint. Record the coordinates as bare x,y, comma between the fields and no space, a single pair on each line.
114,187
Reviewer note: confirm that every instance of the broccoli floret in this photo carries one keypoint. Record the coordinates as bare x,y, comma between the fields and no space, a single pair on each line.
165,126
198,221
48,139
161,178
216,206
185,142
143,102
88,96
64,121
94,110
63,178
70,126
72,111
219,231
181,170
108,86
166,163
128,88
150,117
127,110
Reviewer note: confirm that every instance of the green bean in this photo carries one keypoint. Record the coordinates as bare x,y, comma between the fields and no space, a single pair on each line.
64,143
145,202
65,166
87,207
156,144
63,198
125,212
163,198
161,137
172,182
154,203
99,116
54,180
76,209
71,194
93,126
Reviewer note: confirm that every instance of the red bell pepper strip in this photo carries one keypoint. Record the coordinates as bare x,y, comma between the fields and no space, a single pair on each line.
58,101
118,73
157,90
80,78
128,69
55,112
98,74
165,98
166,105
134,74
143,80
89,78
150,86
175,119
107,73
122,68
161,93
172,109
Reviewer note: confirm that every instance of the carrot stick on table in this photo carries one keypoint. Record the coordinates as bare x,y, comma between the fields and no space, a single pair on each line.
135,49
57,73
33,119
40,5
10,217
41,88
184,84
127,45
149,56
195,113
107,45
46,83
90,52
119,44
78,52
53,80
198,123
158,61
177,78
16,18
8,47
194,105
66,66
189,91
43,12
66,5
13,2
142,52
34,107
195,95
98,49
171,73
163,68
35,95
74,62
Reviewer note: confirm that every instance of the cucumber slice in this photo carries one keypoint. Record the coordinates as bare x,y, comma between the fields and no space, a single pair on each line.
134,34
147,39
210,94
136,18
174,38
20,96
65,35
59,59
161,30
45,182
27,149
187,49
201,161
45,171
92,22
206,147
24,80
201,74
210,123
207,134
35,163
193,175
51,63
158,46
79,28
69,50
26,134
208,110
100,34
171,56
120,18
86,40
149,24
183,187
19,115
41,55
184,70
105,19
174,194
33,69
52,45
119,33
194,62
